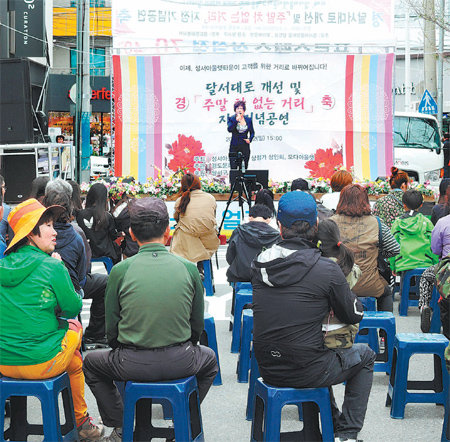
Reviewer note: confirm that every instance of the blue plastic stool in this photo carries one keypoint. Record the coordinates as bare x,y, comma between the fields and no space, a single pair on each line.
405,345
211,342
208,281
242,286
47,391
107,261
243,365
436,325
254,375
243,297
374,321
183,396
406,289
270,400
369,303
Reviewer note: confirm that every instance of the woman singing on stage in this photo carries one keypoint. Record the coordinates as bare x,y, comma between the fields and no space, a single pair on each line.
242,133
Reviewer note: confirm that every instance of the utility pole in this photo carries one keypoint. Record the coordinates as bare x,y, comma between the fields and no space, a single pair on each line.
83,100
440,87
429,58
407,63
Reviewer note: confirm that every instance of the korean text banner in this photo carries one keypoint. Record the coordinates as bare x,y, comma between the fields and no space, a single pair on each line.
311,114
162,26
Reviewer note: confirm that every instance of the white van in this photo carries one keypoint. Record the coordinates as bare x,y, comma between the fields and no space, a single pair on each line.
417,147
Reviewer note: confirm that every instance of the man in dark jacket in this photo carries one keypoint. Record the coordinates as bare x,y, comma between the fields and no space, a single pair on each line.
294,288
70,245
248,240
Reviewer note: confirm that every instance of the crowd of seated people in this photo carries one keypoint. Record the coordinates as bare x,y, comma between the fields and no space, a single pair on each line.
308,263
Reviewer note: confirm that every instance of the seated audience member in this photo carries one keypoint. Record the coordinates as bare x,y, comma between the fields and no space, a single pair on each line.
248,240
121,216
413,232
361,232
38,187
70,245
390,207
302,185
265,196
440,245
195,236
339,180
6,209
442,208
336,333
294,287
36,342
158,327
98,224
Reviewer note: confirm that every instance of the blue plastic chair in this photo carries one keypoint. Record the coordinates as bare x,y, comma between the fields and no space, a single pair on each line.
211,338
254,375
406,288
243,296
369,303
373,321
243,365
405,345
436,324
183,396
208,281
107,261
47,391
269,402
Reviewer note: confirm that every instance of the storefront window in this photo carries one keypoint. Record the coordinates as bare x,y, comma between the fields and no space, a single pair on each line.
96,61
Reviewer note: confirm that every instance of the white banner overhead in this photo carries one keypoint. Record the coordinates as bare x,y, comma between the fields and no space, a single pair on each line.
215,26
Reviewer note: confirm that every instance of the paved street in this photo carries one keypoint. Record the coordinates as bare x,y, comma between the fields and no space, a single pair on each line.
223,410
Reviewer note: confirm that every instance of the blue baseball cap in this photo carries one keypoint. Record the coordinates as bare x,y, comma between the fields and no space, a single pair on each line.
297,206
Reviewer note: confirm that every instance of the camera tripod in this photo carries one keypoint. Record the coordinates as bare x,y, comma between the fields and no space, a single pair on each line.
243,196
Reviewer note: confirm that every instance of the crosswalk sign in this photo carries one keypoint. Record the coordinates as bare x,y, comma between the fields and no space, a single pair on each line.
428,104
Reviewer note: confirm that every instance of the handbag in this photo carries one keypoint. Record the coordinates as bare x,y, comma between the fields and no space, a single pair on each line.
383,266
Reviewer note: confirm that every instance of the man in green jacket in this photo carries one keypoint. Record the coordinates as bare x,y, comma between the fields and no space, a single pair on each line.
36,294
154,314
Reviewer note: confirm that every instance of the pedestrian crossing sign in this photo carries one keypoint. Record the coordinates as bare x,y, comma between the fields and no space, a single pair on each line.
428,104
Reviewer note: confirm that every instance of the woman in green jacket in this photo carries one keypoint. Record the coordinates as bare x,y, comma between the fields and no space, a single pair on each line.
36,297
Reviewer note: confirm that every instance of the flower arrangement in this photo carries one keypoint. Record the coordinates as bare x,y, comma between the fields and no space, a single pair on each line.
163,187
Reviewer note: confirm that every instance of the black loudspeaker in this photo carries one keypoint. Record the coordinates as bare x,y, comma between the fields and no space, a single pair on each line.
16,115
254,179
19,171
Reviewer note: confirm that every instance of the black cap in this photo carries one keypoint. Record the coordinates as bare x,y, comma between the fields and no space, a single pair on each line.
148,209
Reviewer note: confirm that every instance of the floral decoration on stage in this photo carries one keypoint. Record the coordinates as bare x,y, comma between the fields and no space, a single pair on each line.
164,187
183,152
325,163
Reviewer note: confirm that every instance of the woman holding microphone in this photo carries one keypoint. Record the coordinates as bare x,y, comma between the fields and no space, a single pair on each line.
242,133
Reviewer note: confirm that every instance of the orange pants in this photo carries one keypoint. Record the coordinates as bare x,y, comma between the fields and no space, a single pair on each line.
68,359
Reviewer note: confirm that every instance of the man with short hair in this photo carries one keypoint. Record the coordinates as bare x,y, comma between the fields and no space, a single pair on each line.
154,317
302,185
36,341
294,289
248,240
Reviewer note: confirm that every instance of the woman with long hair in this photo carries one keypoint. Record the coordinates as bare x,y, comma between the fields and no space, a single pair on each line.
195,236
98,224
390,207
360,232
337,334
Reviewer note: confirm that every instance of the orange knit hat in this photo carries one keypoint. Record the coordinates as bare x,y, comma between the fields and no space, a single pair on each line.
24,217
